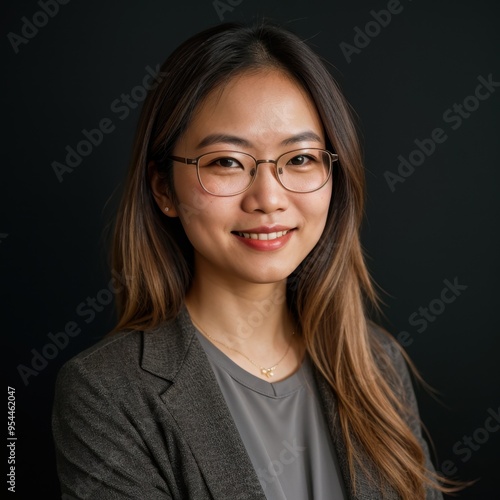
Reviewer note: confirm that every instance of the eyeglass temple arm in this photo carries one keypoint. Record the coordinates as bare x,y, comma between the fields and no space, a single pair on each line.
189,161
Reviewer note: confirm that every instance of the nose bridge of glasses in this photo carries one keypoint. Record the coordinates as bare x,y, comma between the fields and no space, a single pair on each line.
258,162
274,171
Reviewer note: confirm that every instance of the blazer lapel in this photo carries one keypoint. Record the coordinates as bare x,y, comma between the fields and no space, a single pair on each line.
198,406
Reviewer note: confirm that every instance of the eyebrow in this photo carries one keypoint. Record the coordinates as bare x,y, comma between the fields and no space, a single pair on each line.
309,135
239,141
228,139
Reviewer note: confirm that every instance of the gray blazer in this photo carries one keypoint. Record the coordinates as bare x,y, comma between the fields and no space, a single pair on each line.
140,416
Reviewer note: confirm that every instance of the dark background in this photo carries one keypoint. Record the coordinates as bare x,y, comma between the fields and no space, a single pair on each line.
440,224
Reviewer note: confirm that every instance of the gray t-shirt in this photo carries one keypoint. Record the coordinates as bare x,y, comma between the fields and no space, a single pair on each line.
283,429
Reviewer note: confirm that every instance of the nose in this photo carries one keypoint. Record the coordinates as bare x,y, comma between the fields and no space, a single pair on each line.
266,194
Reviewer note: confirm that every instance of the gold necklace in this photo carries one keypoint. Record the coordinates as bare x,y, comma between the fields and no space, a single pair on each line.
268,372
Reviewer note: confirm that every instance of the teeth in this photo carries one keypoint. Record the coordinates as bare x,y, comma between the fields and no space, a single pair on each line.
263,236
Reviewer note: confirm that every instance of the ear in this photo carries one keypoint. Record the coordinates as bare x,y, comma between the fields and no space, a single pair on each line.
157,184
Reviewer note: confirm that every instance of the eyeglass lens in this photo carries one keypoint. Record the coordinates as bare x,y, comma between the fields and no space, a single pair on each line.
231,172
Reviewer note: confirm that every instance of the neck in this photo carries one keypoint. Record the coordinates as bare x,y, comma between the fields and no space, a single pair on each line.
243,315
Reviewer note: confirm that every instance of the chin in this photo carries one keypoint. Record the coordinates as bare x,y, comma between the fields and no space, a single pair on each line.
264,277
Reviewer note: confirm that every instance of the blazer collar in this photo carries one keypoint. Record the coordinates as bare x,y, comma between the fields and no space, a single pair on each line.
165,347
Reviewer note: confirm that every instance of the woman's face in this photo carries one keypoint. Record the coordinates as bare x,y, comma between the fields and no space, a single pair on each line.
264,114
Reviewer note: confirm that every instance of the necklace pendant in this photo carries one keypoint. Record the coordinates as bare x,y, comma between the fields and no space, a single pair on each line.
268,372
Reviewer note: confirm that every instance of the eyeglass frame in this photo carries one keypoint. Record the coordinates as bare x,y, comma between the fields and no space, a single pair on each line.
195,161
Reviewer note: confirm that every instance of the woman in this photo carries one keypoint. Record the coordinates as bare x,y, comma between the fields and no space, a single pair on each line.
243,365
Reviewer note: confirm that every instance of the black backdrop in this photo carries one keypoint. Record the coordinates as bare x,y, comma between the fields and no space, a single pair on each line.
424,84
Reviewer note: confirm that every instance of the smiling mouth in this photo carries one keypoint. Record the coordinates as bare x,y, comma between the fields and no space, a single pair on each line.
263,236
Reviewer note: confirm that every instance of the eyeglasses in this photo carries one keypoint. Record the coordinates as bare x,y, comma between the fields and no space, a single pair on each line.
228,173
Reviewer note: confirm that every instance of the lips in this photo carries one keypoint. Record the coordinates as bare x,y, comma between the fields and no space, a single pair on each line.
265,237
262,236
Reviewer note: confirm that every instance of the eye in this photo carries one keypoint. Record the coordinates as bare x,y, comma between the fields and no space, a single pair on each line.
301,160
298,160
227,162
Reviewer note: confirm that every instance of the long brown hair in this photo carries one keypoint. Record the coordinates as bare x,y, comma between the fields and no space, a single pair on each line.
328,293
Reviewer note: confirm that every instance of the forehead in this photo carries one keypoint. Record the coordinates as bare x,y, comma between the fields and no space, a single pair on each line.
263,106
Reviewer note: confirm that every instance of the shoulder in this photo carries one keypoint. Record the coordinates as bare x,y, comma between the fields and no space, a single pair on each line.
113,347
107,416
393,363
385,348
380,336
98,376
128,357
109,357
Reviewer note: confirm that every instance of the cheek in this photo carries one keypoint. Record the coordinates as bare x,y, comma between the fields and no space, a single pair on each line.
315,208
202,215
192,200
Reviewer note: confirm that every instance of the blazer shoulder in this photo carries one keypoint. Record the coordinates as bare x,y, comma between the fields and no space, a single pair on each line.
382,342
101,367
391,360
131,356
115,349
